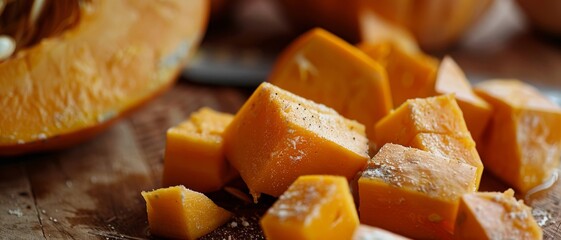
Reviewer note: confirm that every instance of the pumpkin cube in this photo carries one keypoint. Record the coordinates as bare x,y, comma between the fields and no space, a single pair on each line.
476,112
365,232
495,215
410,74
522,144
312,67
440,115
180,213
413,192
432,124
194,154
461,148
278,136
313,207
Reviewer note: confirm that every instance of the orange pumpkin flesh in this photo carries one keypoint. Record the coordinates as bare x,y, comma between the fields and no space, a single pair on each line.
67,88
311,67
495,215
413,192
522,144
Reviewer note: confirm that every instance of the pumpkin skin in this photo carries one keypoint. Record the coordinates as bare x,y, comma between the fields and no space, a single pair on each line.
435,24
68,88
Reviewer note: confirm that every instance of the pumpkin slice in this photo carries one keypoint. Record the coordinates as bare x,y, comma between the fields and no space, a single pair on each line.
180,213
522,144
278,136
413,192
67,88
495,215
194,154
323,68
313,207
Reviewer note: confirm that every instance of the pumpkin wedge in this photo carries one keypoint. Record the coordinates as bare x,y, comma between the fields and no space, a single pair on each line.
69,87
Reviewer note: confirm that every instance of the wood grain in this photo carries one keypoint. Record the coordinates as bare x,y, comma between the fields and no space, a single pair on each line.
93,190
18,212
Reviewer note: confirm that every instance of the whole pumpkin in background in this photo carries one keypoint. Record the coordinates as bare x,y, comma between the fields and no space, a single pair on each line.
69,80
435,24
543,14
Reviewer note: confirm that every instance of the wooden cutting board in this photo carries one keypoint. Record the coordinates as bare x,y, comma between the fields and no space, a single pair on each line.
93,190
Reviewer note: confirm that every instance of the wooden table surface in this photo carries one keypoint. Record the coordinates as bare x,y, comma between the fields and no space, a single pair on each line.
92,191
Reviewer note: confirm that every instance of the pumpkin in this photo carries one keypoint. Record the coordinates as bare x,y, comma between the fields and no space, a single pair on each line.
413,192
435,24
62,87
181,213
313,207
